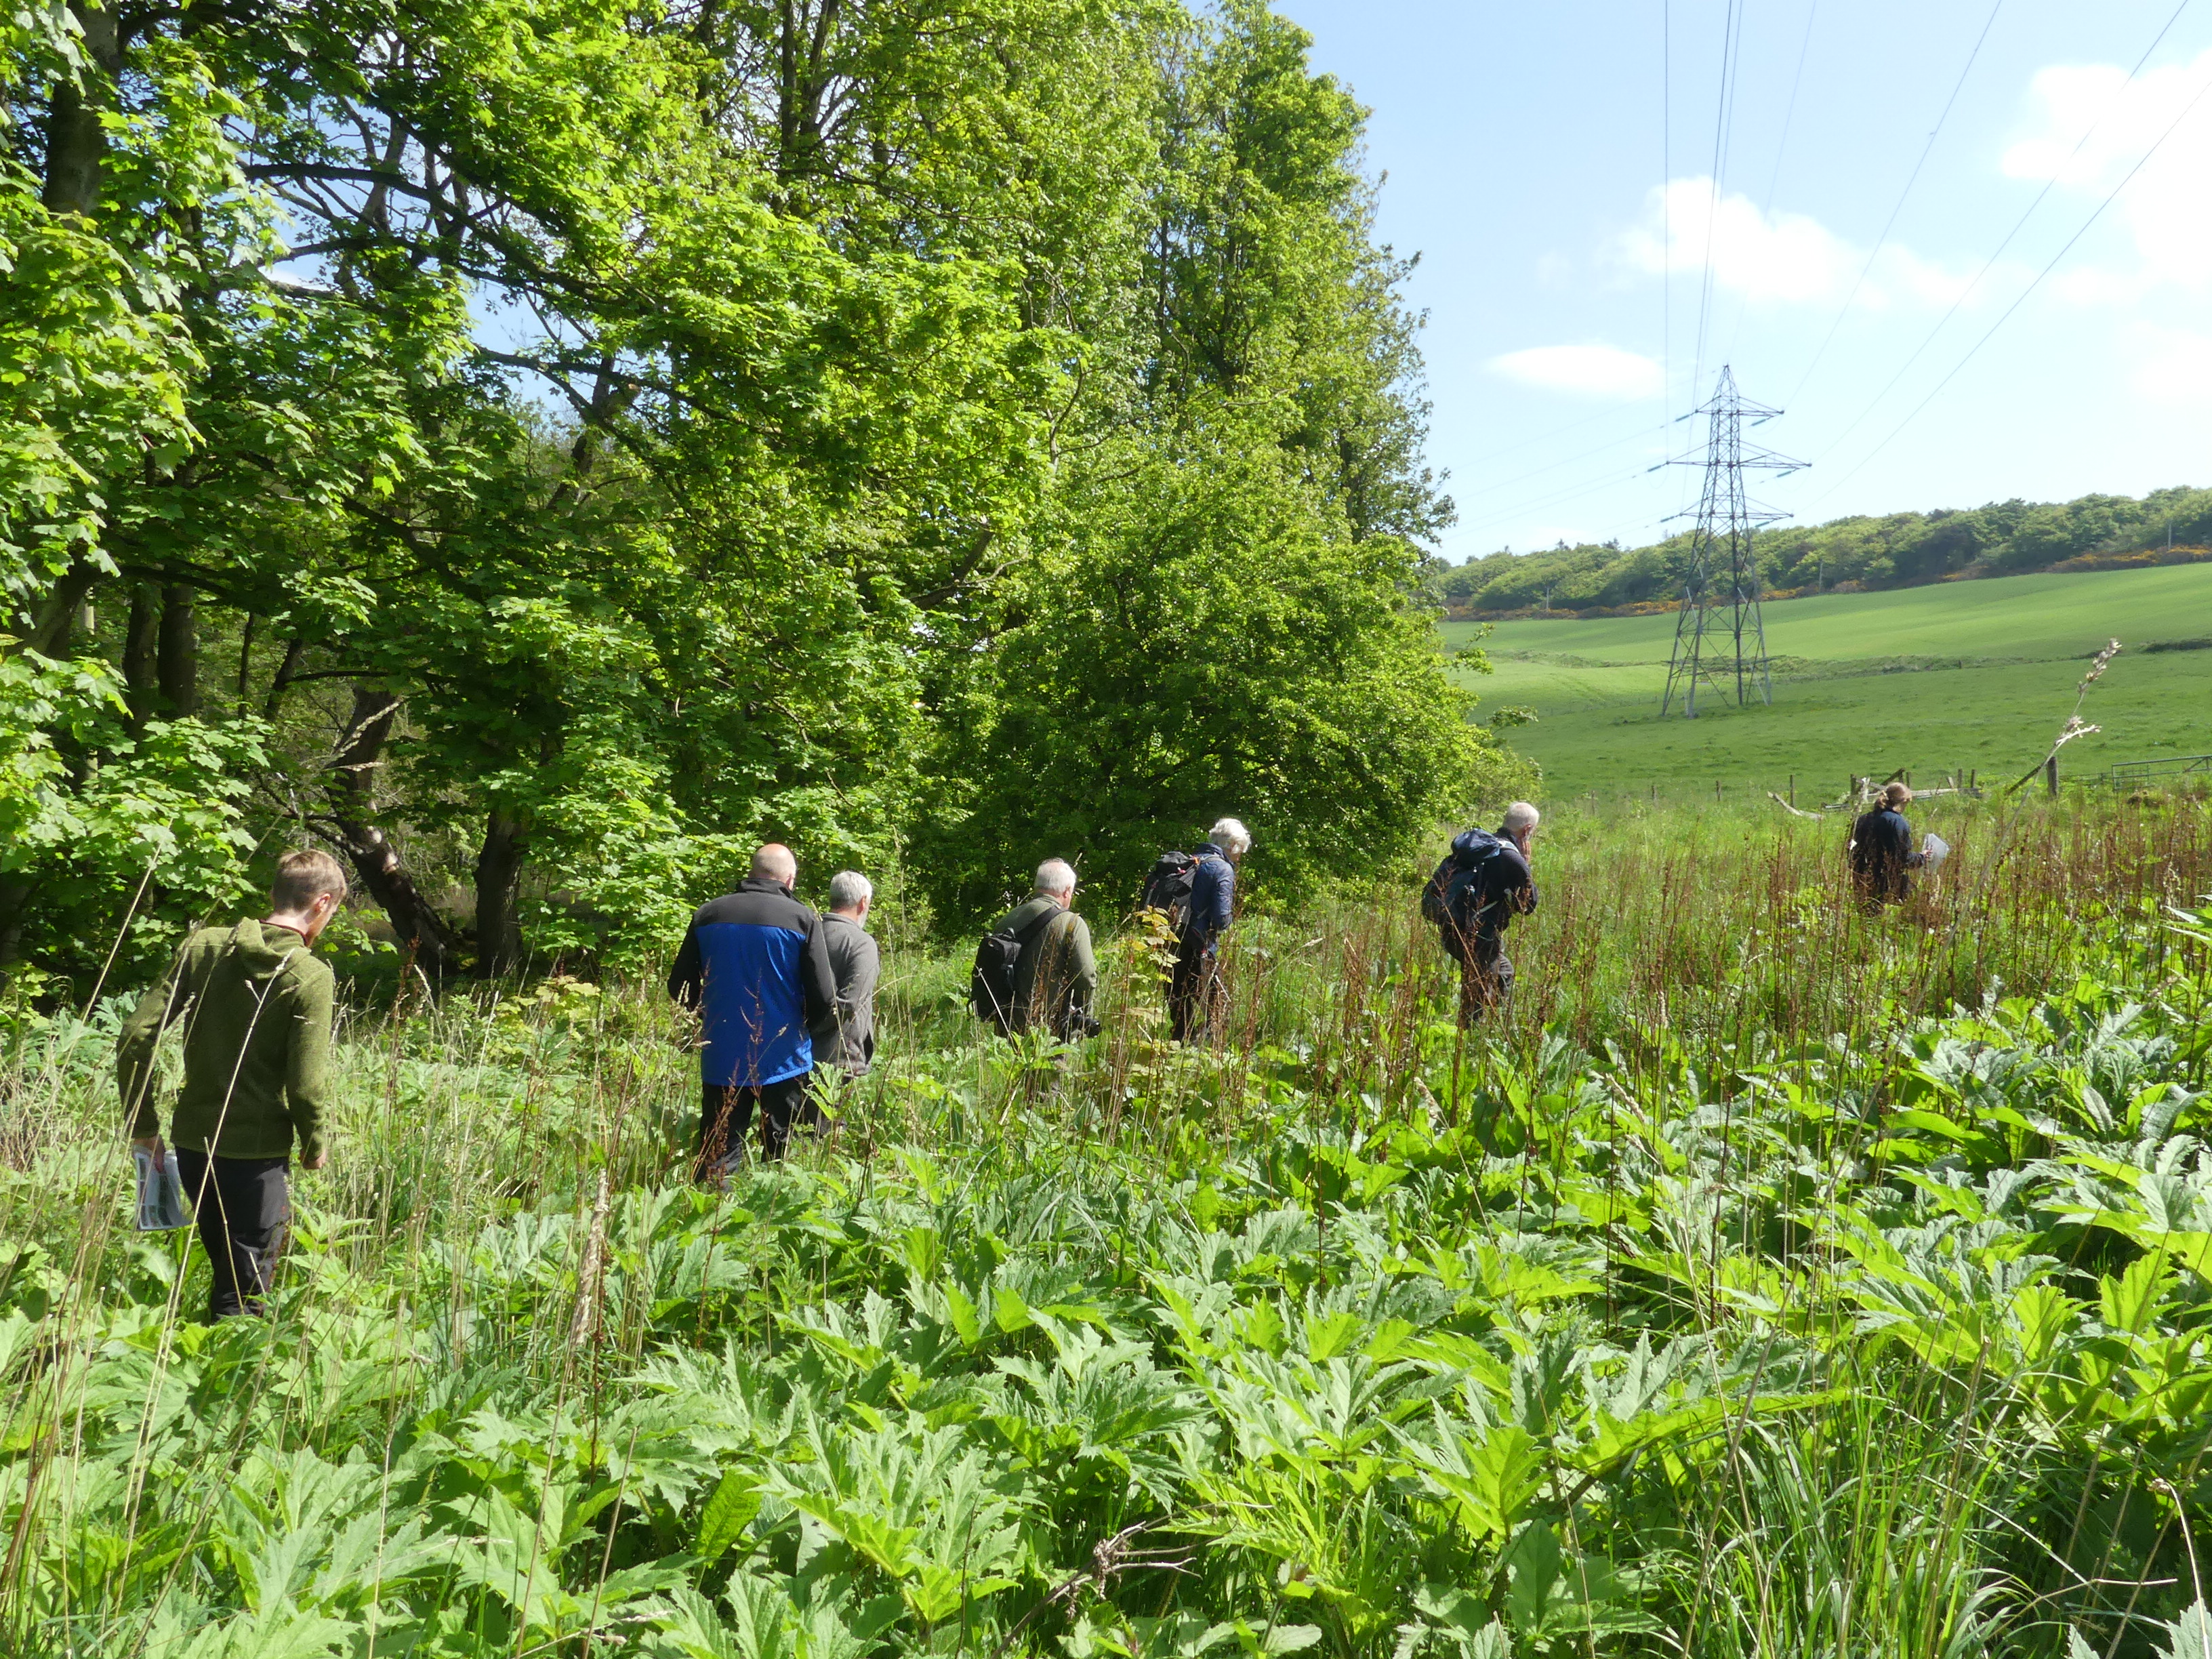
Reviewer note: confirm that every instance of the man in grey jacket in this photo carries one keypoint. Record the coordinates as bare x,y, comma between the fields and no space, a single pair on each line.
846,1039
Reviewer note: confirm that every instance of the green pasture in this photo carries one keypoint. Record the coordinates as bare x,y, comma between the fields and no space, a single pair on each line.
1976,676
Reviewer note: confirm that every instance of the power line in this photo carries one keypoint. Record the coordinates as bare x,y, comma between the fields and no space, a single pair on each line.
2019,225
1789,115
1731,63
2186,111
1882,240
1571,493
1554,466
1782,145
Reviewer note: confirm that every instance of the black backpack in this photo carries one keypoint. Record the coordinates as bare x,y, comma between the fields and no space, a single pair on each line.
991,985
1453,898
1167,889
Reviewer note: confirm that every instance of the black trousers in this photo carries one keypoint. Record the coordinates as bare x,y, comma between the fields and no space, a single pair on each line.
726,1118
241,1205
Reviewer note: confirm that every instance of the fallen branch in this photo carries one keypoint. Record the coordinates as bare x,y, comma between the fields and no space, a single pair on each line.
1793,810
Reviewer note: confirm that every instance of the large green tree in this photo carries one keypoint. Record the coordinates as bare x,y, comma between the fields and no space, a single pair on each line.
553,443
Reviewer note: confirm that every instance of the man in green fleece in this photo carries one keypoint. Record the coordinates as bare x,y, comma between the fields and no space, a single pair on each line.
1056,975
255,1005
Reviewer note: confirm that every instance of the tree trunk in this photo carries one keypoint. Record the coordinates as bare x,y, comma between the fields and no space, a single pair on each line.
76,140
352,795
141,680
177,653
499,873
14,898
54,617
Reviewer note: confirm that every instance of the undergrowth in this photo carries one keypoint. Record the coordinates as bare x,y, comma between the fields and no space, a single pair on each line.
1774,1281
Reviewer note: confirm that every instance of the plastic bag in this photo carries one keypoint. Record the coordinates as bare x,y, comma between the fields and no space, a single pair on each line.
160,1191
1935,848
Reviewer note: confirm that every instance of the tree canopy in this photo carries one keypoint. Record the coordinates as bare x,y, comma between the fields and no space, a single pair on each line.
540,447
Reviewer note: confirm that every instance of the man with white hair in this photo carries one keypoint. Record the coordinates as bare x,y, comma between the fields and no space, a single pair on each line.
755,965
1196,995
1482,884
847,1038
1056,975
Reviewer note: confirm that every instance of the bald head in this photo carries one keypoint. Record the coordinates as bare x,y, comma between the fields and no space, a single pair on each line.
773,862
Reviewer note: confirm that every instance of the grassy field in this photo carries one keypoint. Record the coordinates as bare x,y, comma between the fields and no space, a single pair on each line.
1963,675
1771,1281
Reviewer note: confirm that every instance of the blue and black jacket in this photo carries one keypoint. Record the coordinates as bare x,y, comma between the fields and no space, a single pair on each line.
1212,900
755,965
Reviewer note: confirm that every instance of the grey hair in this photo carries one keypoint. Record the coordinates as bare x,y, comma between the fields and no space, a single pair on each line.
1520,816
1230,836
848,888
1054,876
776,862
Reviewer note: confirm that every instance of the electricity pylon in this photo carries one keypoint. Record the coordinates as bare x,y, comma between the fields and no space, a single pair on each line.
1719,630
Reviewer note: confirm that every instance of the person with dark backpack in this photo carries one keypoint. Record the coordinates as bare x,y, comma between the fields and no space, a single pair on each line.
1036,967
1167,889
1483,882
1196,996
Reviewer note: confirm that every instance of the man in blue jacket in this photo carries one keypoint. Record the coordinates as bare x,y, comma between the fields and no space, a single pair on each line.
756,967
1196,995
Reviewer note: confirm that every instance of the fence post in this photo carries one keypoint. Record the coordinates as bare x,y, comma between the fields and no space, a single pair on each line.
2050,777
1793,789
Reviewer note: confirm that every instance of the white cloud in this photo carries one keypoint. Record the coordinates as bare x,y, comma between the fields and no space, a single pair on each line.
2174,367
1588,371
2094,124
1781,258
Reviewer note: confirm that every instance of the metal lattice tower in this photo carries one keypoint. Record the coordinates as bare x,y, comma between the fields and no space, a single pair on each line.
1719,633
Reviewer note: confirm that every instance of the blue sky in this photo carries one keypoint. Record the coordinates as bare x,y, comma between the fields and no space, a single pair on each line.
1552,165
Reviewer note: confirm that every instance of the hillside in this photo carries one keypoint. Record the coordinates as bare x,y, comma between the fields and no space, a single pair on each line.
1959,675
1852,554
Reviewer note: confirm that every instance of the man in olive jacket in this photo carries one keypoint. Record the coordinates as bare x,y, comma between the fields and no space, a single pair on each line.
255,1006
1056,975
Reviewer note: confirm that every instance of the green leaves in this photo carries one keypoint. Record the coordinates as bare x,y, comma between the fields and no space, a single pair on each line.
729,1508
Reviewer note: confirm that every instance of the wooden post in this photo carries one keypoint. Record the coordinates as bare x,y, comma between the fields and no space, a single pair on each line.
1716,788
2050,777
1793,788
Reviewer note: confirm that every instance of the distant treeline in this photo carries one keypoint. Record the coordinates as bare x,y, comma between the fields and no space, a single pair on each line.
1847,555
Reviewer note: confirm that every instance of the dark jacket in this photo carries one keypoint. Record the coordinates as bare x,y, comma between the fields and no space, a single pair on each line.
1508,890
1212,900
1881,852
848,1037
755,965
255,1005
1056,975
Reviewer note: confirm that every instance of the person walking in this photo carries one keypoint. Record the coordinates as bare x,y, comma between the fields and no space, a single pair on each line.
846,1039
1056,975
1196,997
1882,850
1485,881
255,1004
755,965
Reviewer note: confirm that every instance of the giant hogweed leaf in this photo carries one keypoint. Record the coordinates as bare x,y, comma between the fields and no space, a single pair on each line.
731,1506
1492,1480
2189,1636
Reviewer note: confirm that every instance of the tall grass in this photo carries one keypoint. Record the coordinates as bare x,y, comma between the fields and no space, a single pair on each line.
1769,1280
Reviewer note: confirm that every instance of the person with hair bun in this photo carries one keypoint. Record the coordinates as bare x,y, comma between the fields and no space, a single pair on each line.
1881,849
255,1006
